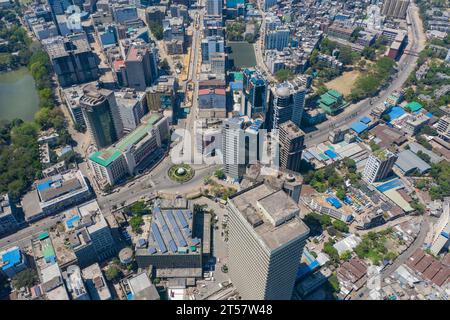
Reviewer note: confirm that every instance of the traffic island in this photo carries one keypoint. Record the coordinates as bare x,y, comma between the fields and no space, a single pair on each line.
181,173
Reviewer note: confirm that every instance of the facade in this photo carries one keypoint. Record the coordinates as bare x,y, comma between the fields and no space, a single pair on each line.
214,7
132,107
442,230
72,59
379,165
72,97
8,221
395,8
265,235
241,145
131,153
255,91
291,146
277,39
101,115
141,66
286,102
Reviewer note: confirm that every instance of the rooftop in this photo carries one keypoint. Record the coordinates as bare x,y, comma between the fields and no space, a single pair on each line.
272,214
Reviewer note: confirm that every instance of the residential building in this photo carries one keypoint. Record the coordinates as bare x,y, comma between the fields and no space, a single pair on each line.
72,97
441,238
286,102
211,45
212,103
269,3
379,165
162,95
277,39
132,153
414,123
214,7
124,13
8,221
218,61
96,283
141,288
291,146
265,234
101,114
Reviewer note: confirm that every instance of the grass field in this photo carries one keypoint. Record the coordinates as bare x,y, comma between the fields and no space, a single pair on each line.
344,83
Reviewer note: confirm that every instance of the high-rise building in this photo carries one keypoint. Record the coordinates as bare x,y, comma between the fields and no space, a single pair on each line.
132,107
442,230
291,146
266,240
141,66
102,116
72,59
286,102
379,165
214,7
241,145
277,39
255,91
395,8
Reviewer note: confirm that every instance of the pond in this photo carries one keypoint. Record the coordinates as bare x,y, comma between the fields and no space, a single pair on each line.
18,95
243,54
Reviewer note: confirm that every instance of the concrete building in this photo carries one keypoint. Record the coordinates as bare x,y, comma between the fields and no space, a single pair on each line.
72,97
162,95
101,114
286,102
54,194
124,13
442,230
291,146
89,234
75,284
414,123
408,162
132,153
132,107
96,283
141,66
141,288
266,240
218,62
211,45
8,221
269,3
395,8
72,59
212,103
379,165
174,245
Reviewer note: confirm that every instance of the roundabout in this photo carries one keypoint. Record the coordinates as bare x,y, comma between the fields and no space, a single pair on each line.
181,173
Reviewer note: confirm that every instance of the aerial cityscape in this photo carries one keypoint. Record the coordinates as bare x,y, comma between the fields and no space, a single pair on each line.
224,150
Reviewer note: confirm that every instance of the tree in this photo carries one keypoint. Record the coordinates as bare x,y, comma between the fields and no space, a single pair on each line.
331,251
113,273
26,278
283,75
346,255
136,222
334,282
340,226
219,174
340,194
156,29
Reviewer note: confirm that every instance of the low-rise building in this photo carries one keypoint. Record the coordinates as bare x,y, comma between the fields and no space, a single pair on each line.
96,283
75,283
141,288
12,261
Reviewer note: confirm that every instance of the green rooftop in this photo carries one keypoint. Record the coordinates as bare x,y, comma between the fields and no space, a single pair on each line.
238,76
414,106
335,93
106,156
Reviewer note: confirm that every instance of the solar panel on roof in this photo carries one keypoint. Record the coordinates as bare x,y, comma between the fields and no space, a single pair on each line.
151,250
195,241
181,241
189,212
182,219
173,246
158,238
